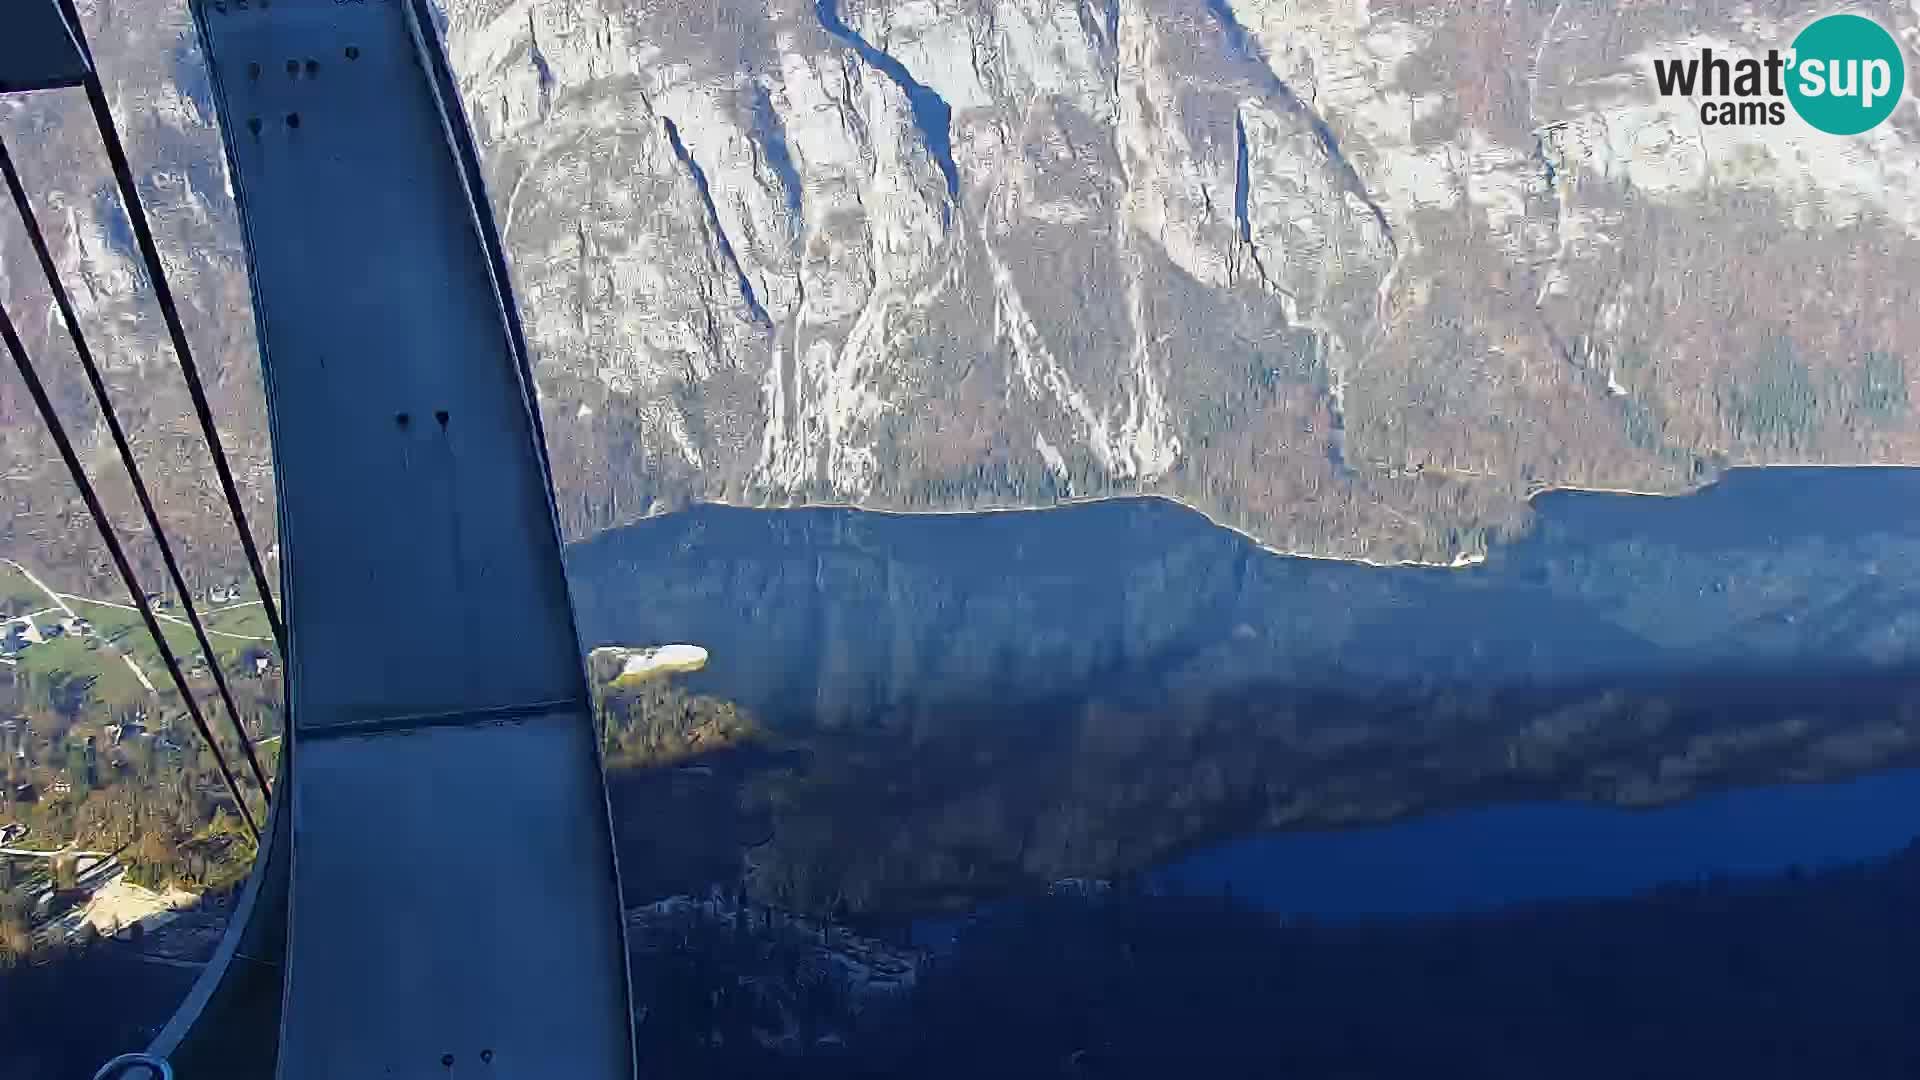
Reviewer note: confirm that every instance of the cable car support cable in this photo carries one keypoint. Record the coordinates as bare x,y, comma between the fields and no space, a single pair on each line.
156,271
52,420
61,300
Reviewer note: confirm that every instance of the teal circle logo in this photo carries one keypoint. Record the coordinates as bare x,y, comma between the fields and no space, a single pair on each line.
1848,74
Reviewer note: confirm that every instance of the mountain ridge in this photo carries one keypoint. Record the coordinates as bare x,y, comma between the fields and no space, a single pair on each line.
1343,276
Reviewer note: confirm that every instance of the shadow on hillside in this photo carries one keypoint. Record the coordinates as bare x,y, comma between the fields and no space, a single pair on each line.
940,809
1797,976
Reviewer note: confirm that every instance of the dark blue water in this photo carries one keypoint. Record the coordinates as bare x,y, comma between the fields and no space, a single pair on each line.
1504,855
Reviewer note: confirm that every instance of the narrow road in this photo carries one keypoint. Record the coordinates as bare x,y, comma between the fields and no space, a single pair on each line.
139,674
42,586
176,619
230,607
29,853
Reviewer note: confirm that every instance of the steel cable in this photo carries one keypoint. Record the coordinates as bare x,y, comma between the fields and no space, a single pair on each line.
169,312
107,534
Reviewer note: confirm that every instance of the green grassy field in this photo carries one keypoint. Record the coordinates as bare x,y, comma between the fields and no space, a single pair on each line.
118,629
111,683
17,594
250,620
127,633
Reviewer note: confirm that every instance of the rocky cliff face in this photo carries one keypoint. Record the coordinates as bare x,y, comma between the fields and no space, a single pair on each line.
1353,277
919,255
160,94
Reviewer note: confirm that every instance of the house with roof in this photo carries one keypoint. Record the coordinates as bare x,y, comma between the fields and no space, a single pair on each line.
21,634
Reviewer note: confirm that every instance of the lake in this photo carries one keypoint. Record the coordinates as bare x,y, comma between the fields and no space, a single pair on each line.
971,706
1489,857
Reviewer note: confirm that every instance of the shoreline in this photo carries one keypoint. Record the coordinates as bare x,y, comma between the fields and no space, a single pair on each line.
1462,561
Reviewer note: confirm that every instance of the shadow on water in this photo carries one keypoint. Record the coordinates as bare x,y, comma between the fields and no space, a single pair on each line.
1119,750
1791,976
988,703
1039,794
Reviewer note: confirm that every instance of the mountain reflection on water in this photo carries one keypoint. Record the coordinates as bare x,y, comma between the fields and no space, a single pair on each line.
958,707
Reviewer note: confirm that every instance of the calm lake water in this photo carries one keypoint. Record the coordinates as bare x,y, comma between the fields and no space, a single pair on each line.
1493,856
995,701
